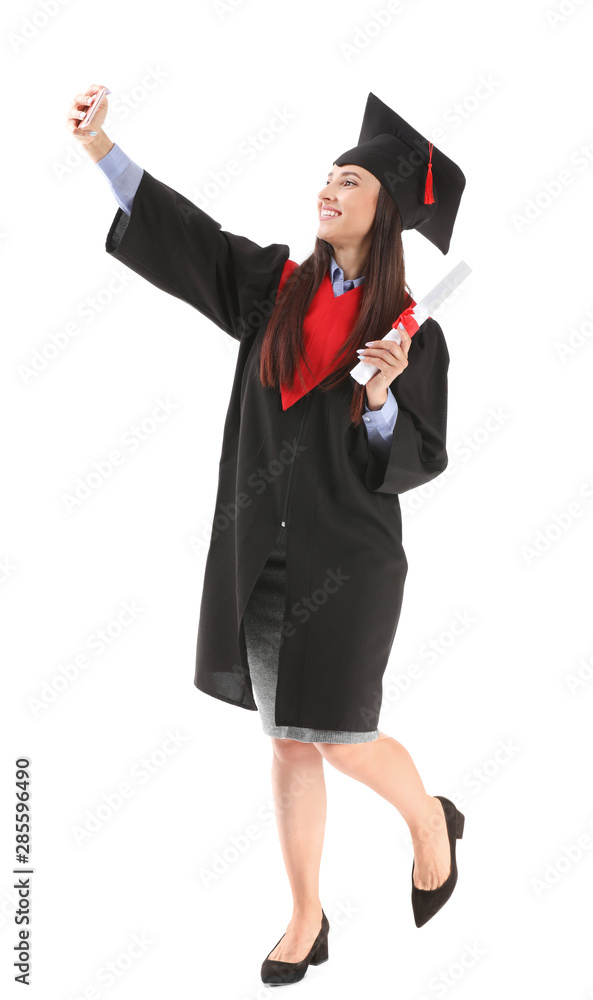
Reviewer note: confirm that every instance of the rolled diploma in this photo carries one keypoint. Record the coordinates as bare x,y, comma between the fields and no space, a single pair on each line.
363,371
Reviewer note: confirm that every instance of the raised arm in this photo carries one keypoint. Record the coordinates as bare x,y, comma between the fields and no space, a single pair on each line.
123,175
182,250
179,248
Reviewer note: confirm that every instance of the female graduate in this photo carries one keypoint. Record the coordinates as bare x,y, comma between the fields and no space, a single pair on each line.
305,571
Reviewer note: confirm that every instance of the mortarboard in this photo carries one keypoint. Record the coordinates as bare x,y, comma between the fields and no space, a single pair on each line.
425,185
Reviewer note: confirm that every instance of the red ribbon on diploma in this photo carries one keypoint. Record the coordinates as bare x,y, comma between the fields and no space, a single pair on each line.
407,320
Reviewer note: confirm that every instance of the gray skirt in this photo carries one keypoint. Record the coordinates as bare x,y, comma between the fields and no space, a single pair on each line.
262,623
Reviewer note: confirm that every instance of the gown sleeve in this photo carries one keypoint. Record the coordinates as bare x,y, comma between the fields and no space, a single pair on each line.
418,447
183,251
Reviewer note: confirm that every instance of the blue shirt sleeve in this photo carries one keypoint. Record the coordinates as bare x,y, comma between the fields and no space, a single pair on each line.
123,175
380,425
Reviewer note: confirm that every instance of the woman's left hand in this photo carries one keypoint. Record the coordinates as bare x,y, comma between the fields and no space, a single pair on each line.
391,359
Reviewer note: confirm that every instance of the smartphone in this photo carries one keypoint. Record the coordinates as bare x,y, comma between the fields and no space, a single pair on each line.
93,107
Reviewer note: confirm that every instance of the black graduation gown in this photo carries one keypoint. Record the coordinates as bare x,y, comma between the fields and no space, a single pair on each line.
308,466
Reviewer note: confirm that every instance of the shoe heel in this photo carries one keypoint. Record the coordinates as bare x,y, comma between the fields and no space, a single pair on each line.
460,823
322,953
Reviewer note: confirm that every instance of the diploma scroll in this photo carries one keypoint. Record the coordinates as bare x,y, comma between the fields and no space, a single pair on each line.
415,317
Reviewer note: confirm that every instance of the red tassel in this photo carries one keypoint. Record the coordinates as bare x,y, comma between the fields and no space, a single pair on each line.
428,195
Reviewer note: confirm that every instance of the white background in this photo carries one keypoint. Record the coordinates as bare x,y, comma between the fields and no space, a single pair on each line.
503,536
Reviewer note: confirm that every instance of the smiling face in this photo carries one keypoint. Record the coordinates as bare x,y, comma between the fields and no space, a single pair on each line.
346,206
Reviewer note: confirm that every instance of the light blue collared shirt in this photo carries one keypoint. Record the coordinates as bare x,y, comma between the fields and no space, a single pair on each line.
124,176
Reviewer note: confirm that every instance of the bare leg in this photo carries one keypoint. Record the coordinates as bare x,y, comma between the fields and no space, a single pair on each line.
386,766
300,803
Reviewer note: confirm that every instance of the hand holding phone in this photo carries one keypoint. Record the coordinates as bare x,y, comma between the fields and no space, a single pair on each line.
94,107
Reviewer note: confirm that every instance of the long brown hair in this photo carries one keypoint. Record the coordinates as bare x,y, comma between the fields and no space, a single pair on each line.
385,295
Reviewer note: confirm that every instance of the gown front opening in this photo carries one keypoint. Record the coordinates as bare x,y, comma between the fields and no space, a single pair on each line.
262,622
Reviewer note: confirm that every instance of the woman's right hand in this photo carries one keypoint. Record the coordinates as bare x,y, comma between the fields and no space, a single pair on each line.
79,108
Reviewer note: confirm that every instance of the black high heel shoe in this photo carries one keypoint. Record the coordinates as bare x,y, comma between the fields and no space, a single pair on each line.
427,902
276,973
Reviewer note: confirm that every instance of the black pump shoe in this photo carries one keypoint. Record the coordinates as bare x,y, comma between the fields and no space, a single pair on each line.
427,902
275,973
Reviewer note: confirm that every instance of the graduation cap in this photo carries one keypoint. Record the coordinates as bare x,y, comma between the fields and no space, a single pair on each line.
425,185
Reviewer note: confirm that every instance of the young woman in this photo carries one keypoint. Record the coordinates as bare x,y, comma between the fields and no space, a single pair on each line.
305,571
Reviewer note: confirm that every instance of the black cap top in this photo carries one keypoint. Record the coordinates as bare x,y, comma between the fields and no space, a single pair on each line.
425,185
